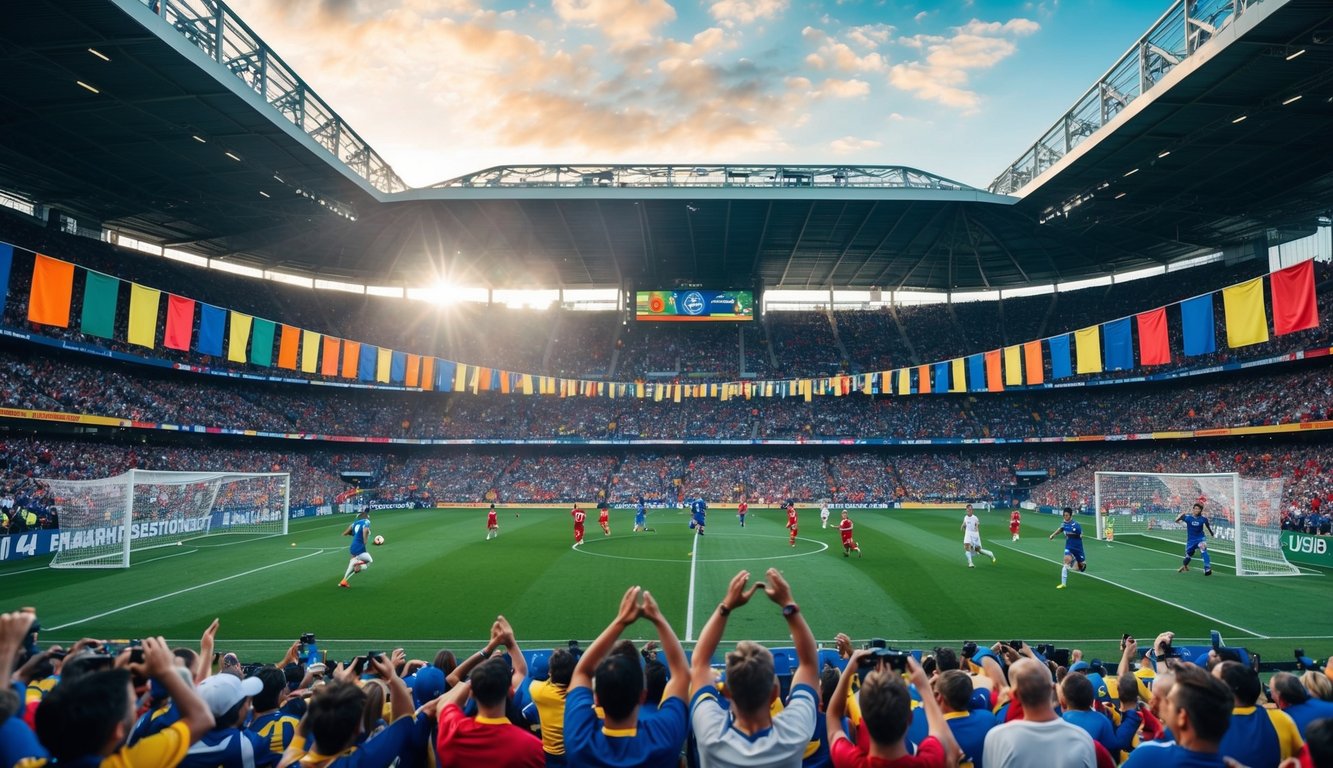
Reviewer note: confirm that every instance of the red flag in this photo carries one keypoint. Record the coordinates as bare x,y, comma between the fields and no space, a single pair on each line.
1294,307
180,323
1154,349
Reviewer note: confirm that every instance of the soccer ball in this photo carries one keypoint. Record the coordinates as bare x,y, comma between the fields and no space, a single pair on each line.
379,540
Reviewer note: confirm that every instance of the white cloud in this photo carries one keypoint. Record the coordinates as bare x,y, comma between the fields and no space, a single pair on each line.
732,12
944,73
845,89
841,56
870,36
849,144
623,22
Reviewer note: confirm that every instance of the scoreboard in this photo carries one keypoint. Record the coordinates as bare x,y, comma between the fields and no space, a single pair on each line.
693,306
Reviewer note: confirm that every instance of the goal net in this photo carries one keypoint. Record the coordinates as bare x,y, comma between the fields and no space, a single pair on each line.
104,521
1243,512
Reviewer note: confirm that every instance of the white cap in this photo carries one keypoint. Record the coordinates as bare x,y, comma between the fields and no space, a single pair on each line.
222,692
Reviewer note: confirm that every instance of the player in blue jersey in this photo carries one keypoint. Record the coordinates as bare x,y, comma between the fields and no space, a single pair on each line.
698,511
1195,524
1073,546
359,530
640,517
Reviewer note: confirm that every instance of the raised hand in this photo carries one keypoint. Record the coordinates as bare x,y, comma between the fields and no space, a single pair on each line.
777,588
737,594
629,607
651,612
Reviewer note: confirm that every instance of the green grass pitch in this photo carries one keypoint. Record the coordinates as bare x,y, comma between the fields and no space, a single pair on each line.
437,583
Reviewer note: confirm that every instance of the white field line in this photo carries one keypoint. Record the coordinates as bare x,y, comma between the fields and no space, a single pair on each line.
181,591
1148,595
689,605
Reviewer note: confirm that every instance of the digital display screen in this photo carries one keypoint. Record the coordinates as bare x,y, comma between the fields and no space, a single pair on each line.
694,306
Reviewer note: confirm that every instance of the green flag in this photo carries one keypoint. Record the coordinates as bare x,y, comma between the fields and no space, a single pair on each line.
261,343
99,305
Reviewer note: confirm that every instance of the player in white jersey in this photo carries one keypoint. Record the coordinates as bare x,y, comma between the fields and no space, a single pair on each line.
823,515
972,537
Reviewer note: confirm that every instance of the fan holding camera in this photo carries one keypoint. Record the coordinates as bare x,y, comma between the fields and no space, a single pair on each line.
886,710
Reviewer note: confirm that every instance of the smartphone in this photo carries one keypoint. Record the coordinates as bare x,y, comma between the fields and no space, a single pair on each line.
1124,641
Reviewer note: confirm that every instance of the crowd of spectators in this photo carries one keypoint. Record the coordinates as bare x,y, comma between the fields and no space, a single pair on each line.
1006,705
77,384
600,345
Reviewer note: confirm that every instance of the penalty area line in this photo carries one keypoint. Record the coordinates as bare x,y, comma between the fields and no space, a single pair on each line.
181,592
1141,593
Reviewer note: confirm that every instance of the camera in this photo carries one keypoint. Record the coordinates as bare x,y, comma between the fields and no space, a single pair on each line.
1124,640
969,649
1165,651
1017,645
30,641
896,660
308,638
374,655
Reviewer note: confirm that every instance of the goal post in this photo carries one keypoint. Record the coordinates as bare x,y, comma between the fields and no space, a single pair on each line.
1243,512
104,521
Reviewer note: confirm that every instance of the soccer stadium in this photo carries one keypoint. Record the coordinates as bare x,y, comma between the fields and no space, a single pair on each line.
285,438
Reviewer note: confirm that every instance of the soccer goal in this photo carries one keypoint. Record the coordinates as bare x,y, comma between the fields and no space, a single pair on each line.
1244,513
103,521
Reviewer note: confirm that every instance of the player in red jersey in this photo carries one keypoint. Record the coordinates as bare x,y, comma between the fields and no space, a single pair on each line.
1015,520
604,518
791,522
579,516
492,524
741,510
848,543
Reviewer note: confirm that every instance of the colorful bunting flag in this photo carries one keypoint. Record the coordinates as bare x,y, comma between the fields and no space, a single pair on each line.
1243,306
1060,364
289,341
180,323
994,382
1154,344
100,296
1196,322
238,337
212,324
1013,366
1117,345
51,292
309,351
1294,304
1088,349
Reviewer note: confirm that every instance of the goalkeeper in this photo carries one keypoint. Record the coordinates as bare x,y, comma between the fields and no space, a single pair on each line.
1195,525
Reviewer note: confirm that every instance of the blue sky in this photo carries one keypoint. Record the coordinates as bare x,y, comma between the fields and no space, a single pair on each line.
444,87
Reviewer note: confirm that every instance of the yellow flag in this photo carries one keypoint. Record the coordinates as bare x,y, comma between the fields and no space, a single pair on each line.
143,315
958,375
1013,366
904,381
238,336
460,377
1089,343
1246,319
382,364
309,351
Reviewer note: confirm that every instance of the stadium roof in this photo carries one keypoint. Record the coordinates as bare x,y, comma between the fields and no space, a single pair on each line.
135,114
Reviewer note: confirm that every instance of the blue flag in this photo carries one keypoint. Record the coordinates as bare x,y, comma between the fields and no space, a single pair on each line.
1060,365
976,373
212,321
1196,321
1117,345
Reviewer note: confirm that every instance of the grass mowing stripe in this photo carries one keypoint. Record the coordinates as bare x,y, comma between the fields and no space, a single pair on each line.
1148,595
183,591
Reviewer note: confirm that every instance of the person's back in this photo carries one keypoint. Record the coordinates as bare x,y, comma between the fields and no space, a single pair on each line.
1042,740
1258,737
549,696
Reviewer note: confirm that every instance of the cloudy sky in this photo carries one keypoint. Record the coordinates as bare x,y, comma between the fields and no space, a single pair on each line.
444,87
